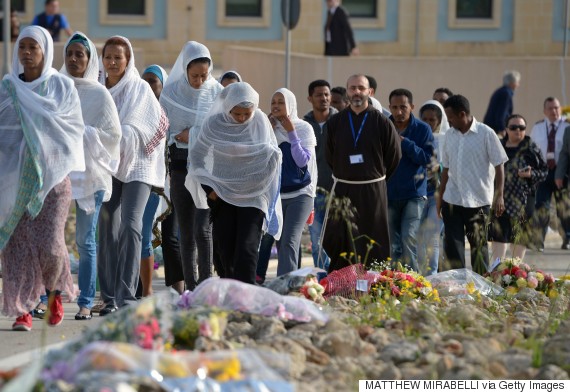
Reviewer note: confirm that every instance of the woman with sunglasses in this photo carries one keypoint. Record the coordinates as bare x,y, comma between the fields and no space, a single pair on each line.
524,169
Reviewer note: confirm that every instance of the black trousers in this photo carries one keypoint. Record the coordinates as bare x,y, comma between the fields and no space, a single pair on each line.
459,222
237,232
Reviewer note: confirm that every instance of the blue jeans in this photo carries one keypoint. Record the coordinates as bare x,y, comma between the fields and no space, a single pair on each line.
315,232
403,222
429,235
148,220
86,227
295,214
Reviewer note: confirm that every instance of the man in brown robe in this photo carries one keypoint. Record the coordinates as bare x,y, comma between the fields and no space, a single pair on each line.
363,150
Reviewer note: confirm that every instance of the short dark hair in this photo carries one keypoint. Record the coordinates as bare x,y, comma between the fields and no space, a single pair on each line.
199,60
457,103
318,83
229,75
444,90
48,2
512,116
436,109
549,99
340,91
372,82
399,92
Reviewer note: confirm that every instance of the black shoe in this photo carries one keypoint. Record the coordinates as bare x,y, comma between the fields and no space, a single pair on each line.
108,310
565,245
39,312
83,316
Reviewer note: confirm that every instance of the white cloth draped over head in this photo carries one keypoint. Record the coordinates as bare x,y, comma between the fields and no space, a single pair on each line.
41,135
240,161
305,132
439,136
226,74
186,106
140,115
102,137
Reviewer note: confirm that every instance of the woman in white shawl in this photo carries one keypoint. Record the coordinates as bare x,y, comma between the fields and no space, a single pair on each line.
101,143
41,142
297,142
237,161
143,128
431,226
187,97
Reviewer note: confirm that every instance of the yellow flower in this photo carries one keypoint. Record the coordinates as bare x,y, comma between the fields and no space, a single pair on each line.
552,293
343,254
512,290
521,282
471,287
539,277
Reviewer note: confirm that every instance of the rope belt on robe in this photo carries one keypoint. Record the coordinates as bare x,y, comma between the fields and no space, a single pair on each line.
329,202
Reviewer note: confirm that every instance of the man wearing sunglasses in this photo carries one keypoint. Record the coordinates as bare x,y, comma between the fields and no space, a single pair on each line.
548,134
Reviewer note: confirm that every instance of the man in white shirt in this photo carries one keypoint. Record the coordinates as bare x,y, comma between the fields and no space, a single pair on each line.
548,134
472,157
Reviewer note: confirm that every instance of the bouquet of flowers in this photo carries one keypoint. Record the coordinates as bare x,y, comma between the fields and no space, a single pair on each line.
514,275
401,283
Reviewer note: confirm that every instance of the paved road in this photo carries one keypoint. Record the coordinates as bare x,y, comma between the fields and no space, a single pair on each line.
18,348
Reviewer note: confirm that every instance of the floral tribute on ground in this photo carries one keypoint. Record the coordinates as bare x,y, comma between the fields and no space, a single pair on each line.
514,275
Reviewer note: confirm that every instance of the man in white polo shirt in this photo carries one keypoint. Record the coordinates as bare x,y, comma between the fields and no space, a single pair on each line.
472,157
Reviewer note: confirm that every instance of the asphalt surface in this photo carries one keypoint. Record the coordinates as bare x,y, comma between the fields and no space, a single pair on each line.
19,348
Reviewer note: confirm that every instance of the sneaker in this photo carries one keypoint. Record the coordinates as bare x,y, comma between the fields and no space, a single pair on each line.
55,310
23,323
40,311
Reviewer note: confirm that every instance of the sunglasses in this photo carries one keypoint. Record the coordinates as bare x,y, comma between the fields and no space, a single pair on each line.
515,127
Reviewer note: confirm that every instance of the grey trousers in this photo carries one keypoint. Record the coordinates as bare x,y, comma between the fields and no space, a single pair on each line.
120,236
196,247
296,211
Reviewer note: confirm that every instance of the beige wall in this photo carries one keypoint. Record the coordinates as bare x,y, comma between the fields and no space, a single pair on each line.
474,77
532,35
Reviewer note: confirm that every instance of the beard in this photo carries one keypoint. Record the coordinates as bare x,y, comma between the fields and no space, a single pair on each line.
357,101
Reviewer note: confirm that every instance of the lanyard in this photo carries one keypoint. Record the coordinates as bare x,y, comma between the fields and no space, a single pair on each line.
357,136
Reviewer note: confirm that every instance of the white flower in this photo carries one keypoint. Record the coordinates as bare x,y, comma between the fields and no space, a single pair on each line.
507,279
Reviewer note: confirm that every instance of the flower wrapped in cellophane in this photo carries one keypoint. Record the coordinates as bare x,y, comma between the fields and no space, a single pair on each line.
514,275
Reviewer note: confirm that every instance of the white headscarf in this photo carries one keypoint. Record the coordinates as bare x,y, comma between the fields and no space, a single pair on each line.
304,131
225,75
186,106
139,113
241,162
102,132
439,136
41,135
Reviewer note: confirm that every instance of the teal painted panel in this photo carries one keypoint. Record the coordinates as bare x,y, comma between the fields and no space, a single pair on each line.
97,30
504,33
273,32
558,8
387,34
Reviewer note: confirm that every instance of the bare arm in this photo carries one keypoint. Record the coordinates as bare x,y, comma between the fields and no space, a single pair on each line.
498,201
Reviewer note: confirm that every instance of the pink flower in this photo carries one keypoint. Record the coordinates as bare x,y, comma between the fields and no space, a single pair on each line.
532,282
520,274
548,278
144,335
205,328
395,291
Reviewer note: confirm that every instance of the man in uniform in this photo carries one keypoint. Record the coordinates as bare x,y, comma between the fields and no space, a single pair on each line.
548,134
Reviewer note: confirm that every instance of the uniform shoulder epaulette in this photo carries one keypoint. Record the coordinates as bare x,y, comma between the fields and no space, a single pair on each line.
540,121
